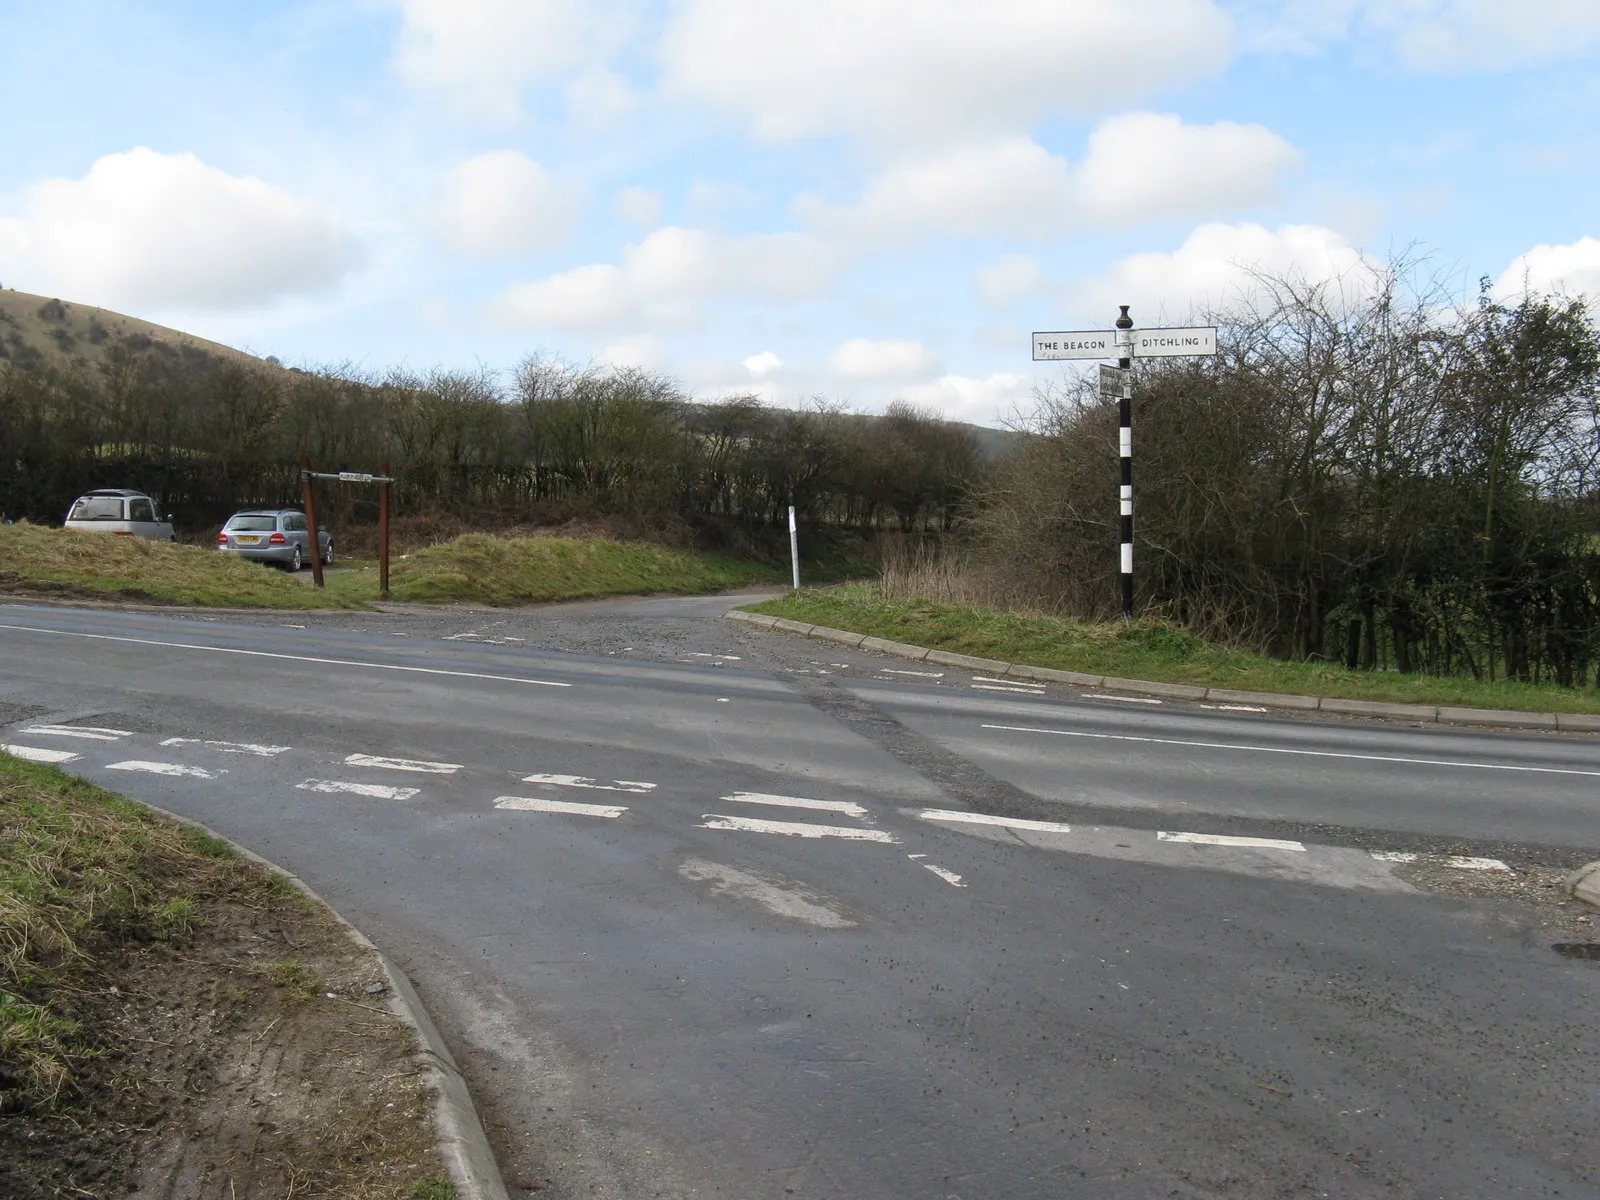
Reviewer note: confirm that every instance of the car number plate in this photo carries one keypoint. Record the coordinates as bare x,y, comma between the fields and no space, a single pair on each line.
246,541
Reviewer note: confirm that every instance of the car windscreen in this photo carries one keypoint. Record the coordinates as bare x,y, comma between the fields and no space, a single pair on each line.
252,524
97,508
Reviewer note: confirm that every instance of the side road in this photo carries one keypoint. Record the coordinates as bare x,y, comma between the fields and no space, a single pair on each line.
1565,722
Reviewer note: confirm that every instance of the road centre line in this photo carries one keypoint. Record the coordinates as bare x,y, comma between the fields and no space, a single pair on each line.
794,829
973,818
636,786
93,733
161,768
1426,762
376,790
300,658
840,806
421,767
35,754
540,804
229,747
1223,839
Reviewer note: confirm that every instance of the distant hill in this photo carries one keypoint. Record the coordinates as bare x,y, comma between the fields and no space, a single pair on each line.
40,329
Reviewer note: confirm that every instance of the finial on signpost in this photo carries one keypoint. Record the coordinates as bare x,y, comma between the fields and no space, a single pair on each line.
1124,321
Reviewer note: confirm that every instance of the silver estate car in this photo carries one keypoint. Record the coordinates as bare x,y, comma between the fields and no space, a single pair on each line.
275,535
122,512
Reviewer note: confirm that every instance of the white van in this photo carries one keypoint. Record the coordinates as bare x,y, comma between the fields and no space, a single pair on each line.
119,511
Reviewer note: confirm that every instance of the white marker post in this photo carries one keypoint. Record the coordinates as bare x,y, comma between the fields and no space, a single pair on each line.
1124,344
794,549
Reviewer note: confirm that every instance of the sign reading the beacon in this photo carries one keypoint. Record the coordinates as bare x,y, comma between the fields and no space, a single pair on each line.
1144,343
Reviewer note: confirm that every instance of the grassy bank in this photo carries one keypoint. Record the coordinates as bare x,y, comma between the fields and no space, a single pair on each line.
1143,650
476,568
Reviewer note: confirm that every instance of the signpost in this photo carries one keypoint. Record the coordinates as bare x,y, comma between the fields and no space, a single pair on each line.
308,495
1124,343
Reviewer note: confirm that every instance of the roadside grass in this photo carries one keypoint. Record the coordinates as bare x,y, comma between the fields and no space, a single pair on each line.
65,562
475,568
82,872
1150,650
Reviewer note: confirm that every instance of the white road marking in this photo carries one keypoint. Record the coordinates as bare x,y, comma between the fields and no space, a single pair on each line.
840,806
916,856
1476,864
36,755
91,732
161,768
402,764
299,658
539,804
1222,839
636,786
989,687
782,900
972,818
724,657
1123,699
1426,762
456,637
949,877
292,627
229,747
794,829
1394,856
722,700
1234,707
919,674
986,679
377,790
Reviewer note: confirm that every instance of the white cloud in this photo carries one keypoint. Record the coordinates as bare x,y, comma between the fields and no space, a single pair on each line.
1573,269
167,233
894,71
985,401
861,360
642,350
504,203
665,280
1211,269
1431,35
1139,167
598,100
638,206
763,364
485,52
1152,166
1011,278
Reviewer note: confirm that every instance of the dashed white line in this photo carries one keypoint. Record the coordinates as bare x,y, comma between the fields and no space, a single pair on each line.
919,674
229,747
1465,863
90,732
37,755
972,818
298,658
839,806
1234,707
539,804
989,687
1121,699
794,829
636,786
402,764
1426,762
161,768
1222,839
377,790
1394,856
949,877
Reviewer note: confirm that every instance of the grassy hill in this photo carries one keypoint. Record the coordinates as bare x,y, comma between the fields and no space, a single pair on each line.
41,329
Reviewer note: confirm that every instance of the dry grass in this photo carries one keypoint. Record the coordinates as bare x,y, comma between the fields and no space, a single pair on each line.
38,328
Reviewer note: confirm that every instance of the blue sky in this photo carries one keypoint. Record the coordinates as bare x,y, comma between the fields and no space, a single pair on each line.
863,199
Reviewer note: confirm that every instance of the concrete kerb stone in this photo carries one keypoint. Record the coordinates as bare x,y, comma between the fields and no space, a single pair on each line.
1381,708
461,1138
1584,883
1568,722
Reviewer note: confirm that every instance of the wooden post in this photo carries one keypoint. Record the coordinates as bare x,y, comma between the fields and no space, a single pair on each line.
309,498
383,533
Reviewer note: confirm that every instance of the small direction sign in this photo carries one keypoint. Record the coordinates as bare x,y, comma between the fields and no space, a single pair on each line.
1111,382
354,477
1146,343
1049,347
1174,343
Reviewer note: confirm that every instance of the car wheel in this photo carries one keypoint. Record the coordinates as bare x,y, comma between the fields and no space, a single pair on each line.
327,555
294,562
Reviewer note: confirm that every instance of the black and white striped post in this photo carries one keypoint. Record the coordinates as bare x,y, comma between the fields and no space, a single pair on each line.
1124,342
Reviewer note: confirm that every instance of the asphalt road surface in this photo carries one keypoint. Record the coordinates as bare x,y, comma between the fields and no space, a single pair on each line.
711,911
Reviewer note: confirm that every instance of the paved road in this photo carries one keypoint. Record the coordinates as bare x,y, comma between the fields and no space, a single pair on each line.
711,911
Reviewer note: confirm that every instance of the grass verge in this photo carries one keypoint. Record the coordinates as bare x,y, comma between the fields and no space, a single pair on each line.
475,568
1143,650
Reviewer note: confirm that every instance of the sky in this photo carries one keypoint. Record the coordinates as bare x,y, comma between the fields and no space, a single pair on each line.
859,199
